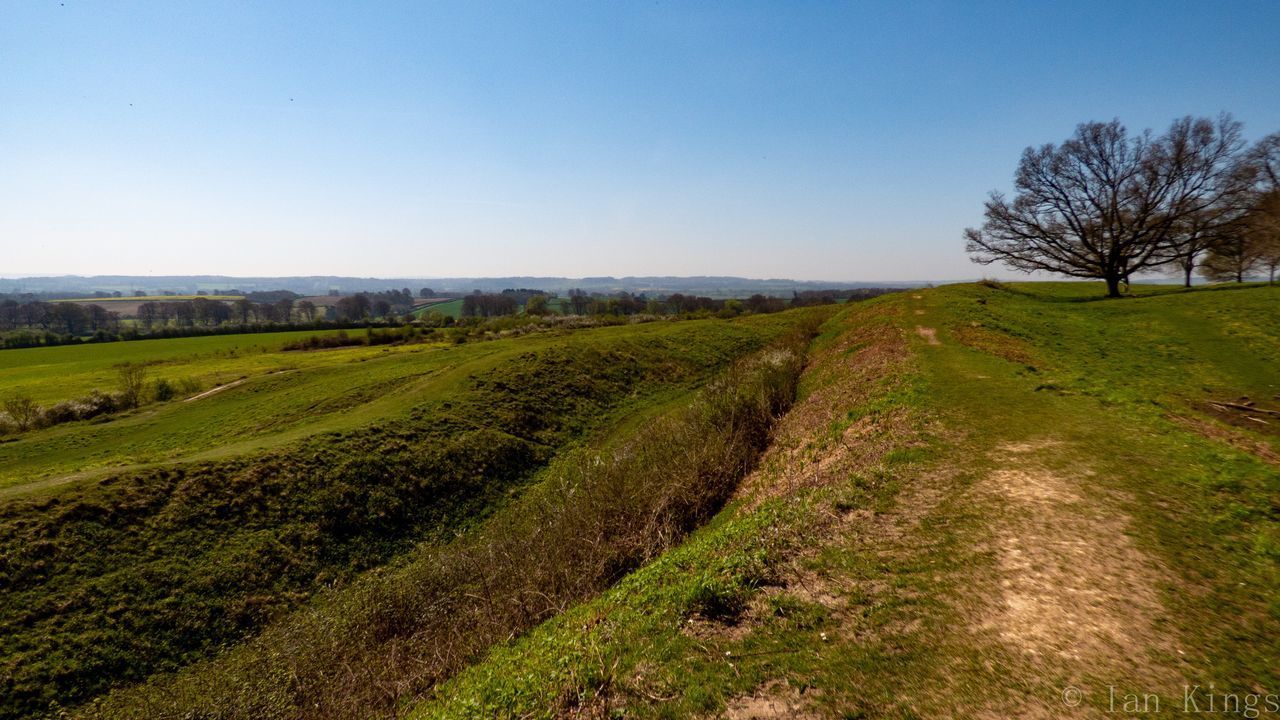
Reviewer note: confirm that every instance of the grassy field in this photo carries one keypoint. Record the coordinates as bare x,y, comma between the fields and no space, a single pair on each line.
155,538
52,374
986,501
451,308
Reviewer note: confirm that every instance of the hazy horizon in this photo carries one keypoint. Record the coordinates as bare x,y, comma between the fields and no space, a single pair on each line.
805,142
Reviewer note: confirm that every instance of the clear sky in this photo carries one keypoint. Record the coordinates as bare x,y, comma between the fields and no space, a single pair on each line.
806,140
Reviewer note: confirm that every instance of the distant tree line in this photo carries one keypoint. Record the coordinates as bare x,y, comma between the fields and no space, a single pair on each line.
621,304
378,305
1106,204
64,318
32,323
29,322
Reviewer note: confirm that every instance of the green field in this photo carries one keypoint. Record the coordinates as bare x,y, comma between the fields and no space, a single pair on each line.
451,308
63,372
982,495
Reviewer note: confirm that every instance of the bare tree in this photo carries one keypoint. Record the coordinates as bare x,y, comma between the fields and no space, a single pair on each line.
23,411
1264,232
133,378
1105,204
1264,157
242,307
1216,191
1233,256
284,310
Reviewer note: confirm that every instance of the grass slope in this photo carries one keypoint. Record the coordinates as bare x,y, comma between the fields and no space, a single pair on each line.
985,496
115,577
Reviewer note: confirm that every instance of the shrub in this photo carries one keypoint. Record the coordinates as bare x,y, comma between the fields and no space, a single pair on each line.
162,390
23,412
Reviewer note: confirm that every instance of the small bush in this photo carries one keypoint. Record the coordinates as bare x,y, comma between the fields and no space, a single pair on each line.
162,390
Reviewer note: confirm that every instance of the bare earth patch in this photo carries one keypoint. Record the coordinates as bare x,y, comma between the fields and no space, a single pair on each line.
216,390
1074,596
929,334
774,700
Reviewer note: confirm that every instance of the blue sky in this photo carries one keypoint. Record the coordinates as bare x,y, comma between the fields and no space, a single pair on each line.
836,141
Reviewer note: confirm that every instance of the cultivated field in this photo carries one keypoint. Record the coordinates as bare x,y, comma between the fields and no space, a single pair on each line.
444,306
128,306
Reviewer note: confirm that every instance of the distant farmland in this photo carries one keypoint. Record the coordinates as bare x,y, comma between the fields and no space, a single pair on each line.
445,306
128,306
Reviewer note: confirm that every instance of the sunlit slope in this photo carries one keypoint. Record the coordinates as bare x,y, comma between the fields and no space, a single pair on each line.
316,475
985,496
271,397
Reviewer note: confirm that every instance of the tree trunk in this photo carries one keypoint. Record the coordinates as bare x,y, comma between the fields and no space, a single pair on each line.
1113,286
1188,267
1240,276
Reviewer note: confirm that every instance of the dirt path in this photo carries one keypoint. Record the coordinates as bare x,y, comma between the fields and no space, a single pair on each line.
1071,596
216,390
1005,579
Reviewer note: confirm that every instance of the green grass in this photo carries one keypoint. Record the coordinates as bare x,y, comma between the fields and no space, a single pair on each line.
567,536
285,396
53,374
1106,381
851,586
450,308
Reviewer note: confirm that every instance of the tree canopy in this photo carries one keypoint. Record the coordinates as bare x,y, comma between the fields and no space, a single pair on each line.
1107,204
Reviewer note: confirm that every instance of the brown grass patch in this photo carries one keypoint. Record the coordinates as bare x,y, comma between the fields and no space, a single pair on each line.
995,343
775,699
929,334
1230,436
810,449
